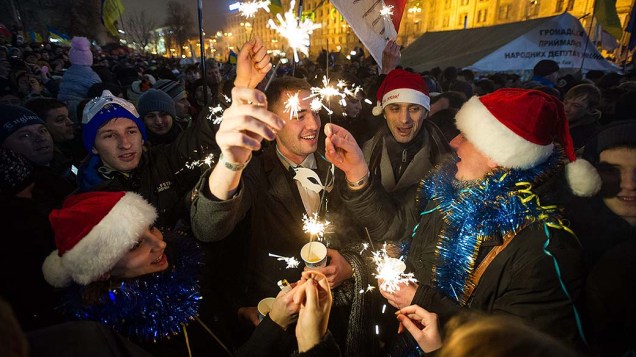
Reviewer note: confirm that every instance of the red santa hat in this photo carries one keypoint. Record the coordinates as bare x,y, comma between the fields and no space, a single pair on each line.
402,86
517,128
93,231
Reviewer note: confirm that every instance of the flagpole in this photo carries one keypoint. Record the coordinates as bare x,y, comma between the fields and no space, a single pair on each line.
203,74
300,12
588,36
624,38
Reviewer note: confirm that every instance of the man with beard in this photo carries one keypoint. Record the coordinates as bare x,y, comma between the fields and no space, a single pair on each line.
490,236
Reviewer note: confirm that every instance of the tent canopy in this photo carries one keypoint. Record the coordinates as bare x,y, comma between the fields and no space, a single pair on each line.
510,47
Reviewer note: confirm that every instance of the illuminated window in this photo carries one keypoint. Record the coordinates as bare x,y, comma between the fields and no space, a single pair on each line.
570,5
463,17
482,15
504,12
464,2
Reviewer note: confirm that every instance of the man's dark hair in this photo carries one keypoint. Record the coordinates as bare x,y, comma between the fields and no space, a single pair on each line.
282,84
41,106
455,99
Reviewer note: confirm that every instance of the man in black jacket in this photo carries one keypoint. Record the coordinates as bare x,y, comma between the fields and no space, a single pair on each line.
489,236
165,175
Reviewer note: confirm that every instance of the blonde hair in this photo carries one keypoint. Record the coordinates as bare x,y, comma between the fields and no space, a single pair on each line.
498,336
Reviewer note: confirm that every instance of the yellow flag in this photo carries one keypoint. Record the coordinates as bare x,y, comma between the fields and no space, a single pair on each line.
605,13
111,11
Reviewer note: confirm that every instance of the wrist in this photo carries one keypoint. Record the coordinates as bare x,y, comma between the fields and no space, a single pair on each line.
359,183
233,166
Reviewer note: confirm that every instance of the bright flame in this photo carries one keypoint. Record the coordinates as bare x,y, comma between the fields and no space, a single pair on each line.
290,261
208,160
217,112
324,93
386,11
292,106
391,271
249,9
313,226
296,32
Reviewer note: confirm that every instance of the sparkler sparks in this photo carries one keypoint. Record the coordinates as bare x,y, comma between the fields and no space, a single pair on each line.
292,106
386,11
324,93
208,160
365,246
369,288
313,226
249,9
296,32
217,112
391,271
290,261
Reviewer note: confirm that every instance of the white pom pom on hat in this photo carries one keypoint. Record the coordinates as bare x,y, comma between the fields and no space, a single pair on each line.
517,128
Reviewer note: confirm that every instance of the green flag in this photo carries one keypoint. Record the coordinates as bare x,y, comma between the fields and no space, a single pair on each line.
605,13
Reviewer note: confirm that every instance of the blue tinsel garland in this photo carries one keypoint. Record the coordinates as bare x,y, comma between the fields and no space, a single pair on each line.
150,307
499,204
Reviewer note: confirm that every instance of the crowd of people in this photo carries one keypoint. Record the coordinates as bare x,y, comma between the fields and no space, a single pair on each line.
149,207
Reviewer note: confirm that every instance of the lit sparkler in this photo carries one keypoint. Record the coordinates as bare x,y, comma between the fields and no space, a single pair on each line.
250,8
208,160
292,106
391,271
290,261
324,93
296,32
365,246
369,288
386,12
313,226
217,113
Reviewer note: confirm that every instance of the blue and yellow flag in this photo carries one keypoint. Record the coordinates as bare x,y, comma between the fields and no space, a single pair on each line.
58,36
233,58
111,11
607,17
275,7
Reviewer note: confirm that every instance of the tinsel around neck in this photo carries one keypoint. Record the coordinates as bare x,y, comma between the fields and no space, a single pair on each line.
151,307
502,203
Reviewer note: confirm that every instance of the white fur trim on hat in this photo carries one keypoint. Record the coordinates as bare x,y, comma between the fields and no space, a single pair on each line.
582,178
99,251
406,95
495,140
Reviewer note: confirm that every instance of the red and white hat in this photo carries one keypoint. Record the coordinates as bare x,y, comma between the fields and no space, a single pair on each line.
402,86
93,231
516,128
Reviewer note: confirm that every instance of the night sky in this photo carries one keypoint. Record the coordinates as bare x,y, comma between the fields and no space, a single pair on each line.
214,11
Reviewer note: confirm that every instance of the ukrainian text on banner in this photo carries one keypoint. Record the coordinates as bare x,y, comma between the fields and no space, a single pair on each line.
372,29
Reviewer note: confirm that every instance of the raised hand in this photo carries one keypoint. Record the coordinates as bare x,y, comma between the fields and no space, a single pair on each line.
337,271
402,297
343,151
315,299
390,56
252,64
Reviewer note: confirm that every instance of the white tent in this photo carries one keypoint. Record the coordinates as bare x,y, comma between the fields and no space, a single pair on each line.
511,47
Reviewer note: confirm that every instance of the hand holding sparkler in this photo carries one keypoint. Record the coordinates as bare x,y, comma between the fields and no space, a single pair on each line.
343,151
422,325
315,297
390,56
252,64
244,126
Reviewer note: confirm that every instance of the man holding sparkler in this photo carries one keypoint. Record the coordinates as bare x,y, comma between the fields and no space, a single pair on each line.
261,197
490,236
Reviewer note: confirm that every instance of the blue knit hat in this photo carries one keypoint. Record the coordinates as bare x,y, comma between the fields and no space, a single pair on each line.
13,117
101,110
155,100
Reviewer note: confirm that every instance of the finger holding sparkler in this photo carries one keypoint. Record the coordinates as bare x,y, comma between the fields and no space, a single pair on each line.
395,285
245,124
252,64
342,150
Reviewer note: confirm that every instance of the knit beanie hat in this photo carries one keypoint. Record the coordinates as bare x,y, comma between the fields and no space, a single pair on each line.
13,117
154,100
517,129
616,134
16,172
102,109
545,68
93,231
402,86
80,52
174,89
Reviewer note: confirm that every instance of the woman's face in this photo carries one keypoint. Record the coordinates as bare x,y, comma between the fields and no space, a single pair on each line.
146,257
